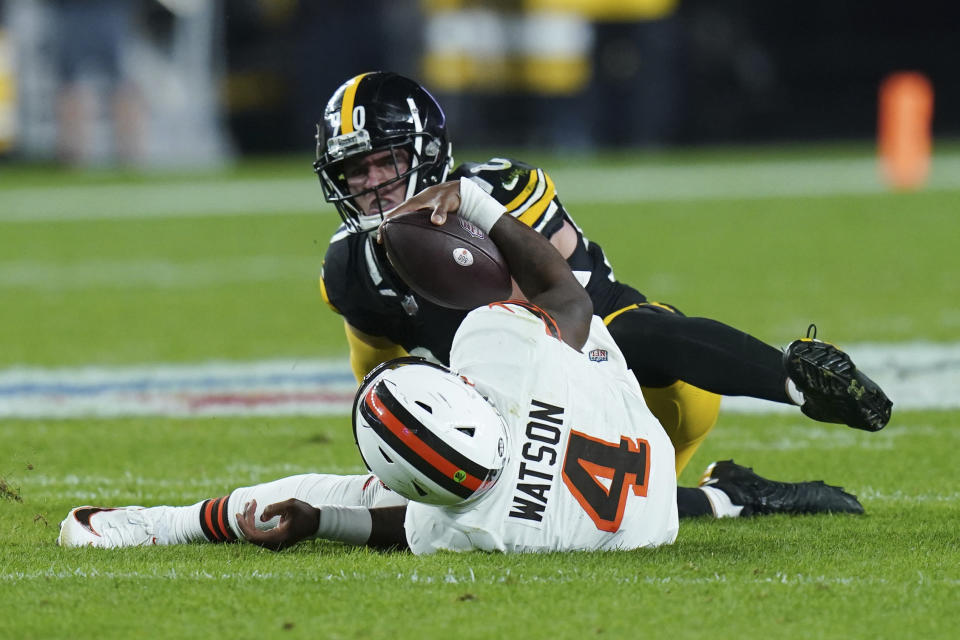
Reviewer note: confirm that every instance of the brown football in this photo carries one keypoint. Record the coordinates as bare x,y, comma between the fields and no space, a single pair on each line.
454,265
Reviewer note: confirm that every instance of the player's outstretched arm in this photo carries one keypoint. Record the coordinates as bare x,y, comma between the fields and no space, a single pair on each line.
545,278
380,527
538,268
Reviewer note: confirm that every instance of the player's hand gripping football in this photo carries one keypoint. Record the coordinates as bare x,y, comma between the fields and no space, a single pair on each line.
298,521
440,199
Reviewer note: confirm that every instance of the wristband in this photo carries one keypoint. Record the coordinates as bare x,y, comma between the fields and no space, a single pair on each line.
478,207
345,524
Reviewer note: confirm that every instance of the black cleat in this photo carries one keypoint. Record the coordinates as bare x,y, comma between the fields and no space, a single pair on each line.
833,389
759,496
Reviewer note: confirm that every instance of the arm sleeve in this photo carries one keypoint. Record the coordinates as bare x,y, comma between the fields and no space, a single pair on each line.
324,294
364,357
430,529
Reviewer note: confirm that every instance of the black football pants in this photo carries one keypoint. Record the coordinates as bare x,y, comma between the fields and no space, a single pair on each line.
662,347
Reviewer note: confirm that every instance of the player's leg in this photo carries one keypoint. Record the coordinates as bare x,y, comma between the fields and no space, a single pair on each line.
214,520
728,490
662,346
686,413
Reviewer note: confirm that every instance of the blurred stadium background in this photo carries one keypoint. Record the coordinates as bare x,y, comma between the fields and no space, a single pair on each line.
199,82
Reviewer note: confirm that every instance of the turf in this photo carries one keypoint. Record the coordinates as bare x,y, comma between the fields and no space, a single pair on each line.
894,569
865,267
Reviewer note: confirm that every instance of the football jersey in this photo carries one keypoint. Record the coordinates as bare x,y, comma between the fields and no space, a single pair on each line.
358,282
589,466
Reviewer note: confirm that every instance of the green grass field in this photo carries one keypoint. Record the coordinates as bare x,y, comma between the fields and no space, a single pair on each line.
223,266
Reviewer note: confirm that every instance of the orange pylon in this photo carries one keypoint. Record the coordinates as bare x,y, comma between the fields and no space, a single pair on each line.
904,129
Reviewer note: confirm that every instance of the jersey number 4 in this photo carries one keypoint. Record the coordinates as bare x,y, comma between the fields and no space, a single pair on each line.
600,474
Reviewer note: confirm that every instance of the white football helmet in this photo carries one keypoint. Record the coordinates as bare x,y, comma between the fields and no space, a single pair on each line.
427,433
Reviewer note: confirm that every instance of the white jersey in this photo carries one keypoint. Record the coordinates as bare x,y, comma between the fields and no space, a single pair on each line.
590,467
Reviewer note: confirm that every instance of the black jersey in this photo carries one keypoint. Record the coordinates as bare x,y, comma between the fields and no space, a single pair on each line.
359,283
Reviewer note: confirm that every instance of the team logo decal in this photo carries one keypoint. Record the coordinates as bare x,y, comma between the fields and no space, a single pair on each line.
460,475
462,257
598,355
470,228
510,180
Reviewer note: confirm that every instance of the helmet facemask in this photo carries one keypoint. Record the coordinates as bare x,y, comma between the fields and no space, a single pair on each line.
426,164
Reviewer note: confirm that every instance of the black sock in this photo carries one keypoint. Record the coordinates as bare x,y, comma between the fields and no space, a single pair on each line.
692,502
663,347
213,520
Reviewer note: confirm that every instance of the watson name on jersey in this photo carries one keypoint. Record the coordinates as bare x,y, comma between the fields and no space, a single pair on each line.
589,468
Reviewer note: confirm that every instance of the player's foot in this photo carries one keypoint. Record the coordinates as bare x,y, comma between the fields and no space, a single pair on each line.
112,528
833,389
759,496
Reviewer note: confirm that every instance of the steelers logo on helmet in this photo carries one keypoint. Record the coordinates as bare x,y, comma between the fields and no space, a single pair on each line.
374,112
428,435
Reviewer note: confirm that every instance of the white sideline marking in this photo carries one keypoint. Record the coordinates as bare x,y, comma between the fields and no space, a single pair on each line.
917,375
277,387
805,434
163,199
736,180
587,183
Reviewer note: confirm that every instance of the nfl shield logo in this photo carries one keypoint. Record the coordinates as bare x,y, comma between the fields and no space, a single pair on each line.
598,355
470,228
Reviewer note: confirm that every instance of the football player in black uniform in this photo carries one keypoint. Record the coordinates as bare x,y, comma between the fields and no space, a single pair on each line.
383,139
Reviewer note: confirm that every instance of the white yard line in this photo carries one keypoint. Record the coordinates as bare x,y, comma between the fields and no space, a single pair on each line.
227,197
154,274
455,577
575,185
915,375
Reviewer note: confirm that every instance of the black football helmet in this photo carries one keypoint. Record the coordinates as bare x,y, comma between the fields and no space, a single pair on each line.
380,111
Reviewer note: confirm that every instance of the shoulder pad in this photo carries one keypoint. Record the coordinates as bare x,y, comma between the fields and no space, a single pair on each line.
526,191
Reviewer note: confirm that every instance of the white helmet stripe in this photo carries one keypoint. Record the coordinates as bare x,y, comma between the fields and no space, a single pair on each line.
417,148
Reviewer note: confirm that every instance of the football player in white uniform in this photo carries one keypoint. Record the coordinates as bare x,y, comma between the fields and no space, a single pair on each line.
536,439
383,139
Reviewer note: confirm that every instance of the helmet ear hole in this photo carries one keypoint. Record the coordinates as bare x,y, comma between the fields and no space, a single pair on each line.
419,489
